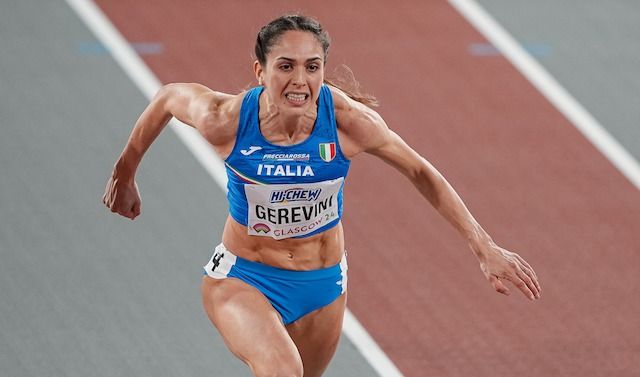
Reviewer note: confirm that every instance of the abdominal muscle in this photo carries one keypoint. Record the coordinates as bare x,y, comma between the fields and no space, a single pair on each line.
310,253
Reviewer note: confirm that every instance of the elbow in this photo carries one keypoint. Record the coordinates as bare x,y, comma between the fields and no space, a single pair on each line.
419,171
165,90
163,96
171,90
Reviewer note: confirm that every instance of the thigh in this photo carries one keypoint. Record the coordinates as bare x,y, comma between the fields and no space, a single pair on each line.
250,326
317,335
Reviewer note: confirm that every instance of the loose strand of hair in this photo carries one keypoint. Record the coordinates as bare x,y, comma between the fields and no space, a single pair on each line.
343,78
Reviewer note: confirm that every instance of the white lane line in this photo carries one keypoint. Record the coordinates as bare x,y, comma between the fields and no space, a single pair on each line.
368,347
149,84
551,89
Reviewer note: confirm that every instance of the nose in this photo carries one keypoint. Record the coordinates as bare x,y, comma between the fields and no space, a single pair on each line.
299,77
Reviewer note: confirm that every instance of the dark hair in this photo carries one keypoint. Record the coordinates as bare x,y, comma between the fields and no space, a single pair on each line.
271,33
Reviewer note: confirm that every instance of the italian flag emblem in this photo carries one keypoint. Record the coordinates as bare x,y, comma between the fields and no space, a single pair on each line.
327,151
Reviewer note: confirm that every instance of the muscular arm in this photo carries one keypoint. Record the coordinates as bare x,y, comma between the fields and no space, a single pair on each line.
192,104
369,132
365,131
211,113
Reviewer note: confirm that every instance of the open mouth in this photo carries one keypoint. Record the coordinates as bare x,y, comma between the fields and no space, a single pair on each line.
297,98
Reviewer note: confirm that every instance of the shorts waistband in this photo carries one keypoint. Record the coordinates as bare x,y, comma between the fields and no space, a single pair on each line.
266,270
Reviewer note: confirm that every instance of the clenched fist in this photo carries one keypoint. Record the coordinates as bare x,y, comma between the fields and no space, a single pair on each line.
121,196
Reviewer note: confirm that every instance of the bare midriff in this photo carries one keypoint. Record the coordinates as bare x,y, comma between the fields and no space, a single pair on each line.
310,253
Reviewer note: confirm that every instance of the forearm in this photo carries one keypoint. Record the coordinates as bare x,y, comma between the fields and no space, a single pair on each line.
147,128
496,263
432,185
435,188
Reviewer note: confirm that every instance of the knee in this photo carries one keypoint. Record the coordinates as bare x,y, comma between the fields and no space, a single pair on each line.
291,367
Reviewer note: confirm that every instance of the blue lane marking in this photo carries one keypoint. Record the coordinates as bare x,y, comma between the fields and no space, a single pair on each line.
97,48
487,49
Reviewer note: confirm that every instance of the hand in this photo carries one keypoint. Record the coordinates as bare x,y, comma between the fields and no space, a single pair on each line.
122,197
499,264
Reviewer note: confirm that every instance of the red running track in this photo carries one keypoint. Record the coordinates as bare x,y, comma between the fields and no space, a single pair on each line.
528,176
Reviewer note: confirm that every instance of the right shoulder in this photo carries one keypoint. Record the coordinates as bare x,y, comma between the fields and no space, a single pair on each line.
214,114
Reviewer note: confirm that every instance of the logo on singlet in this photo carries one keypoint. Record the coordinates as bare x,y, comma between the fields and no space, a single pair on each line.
261,228
295,195
285,170
327,151
251,149
286,157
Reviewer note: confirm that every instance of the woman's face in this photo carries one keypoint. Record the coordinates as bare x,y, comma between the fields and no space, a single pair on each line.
294,71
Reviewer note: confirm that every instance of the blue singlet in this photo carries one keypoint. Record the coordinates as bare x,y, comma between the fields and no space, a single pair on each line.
286,191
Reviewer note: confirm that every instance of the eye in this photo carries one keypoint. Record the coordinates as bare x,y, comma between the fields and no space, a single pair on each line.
313,67
285,66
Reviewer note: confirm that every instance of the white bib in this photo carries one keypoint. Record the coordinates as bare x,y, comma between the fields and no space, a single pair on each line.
290,210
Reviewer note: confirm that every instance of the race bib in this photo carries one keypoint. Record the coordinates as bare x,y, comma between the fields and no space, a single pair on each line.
290,210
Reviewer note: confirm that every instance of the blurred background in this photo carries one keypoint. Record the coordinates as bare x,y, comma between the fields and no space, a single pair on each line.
84,292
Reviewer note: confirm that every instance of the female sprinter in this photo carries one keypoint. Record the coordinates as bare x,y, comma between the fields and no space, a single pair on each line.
275,287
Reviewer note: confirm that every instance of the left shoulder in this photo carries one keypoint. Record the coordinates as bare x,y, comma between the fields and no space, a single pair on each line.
360,127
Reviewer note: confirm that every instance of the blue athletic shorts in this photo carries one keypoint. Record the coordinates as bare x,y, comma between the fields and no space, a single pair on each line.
292,293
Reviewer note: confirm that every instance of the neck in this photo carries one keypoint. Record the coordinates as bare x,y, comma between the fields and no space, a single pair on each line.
285,128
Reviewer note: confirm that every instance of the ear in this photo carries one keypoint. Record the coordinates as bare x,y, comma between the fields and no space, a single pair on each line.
257,69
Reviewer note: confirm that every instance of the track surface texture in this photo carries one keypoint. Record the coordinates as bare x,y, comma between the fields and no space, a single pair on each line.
530,178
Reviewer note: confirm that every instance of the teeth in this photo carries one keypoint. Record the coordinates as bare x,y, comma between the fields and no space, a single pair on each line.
296,97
